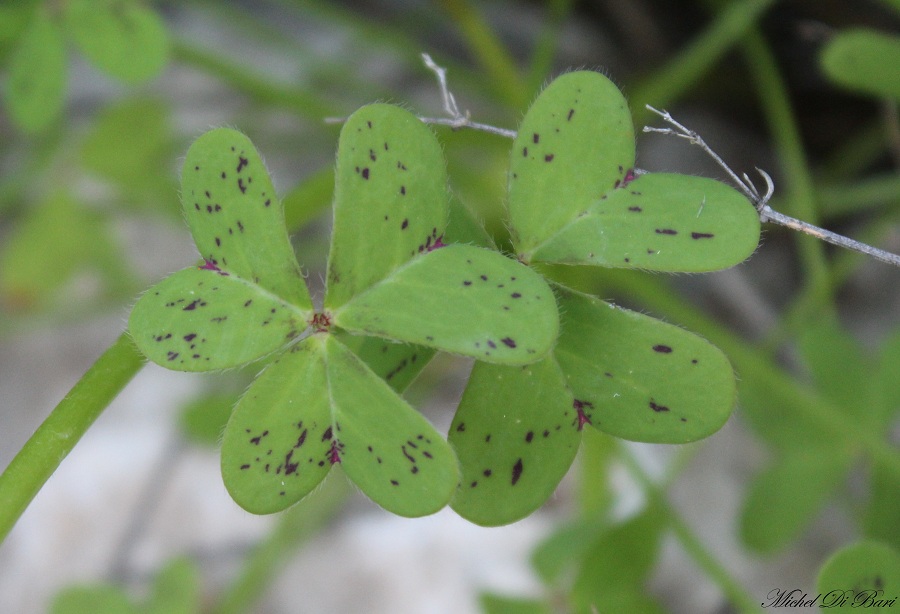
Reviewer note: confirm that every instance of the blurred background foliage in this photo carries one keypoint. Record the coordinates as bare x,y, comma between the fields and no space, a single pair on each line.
100,99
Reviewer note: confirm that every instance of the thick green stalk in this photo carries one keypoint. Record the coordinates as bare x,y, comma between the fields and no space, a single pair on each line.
489,51
679,74
64,427
714,570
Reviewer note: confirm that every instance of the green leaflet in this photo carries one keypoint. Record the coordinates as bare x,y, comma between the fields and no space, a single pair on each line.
575,144
864,575
515,433
277,445
660,222
573,197
123,38
35,88
391,199
386,447
319,405
203,320
235,216
782,500
460,299
859,60
641,379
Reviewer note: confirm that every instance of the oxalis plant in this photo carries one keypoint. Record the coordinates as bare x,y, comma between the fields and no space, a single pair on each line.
550,361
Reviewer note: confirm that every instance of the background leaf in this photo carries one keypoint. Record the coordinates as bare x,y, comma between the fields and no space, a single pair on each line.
204,419
870,570
515,433
390,200
639,378
858,59
575,143
176,589
783,499
498,604
92,599
50,246
36,86
123,38
609,580
660,222
460,299
131,146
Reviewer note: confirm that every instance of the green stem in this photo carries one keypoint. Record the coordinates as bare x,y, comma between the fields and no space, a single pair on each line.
248,81
673,79
714,570
64,427
860,195
489,51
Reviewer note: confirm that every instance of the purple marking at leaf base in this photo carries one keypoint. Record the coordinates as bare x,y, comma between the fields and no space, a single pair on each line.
582,417
438,243
209,266
334,454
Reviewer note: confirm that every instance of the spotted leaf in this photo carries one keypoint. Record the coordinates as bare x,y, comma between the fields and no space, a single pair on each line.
573,197
660,222
460,299
277,445
515,433
123,38
575,144
385,446
201,320
235,216
391,200
638,378
36,86
864,575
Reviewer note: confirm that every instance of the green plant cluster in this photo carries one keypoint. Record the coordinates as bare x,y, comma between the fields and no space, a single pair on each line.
412,271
